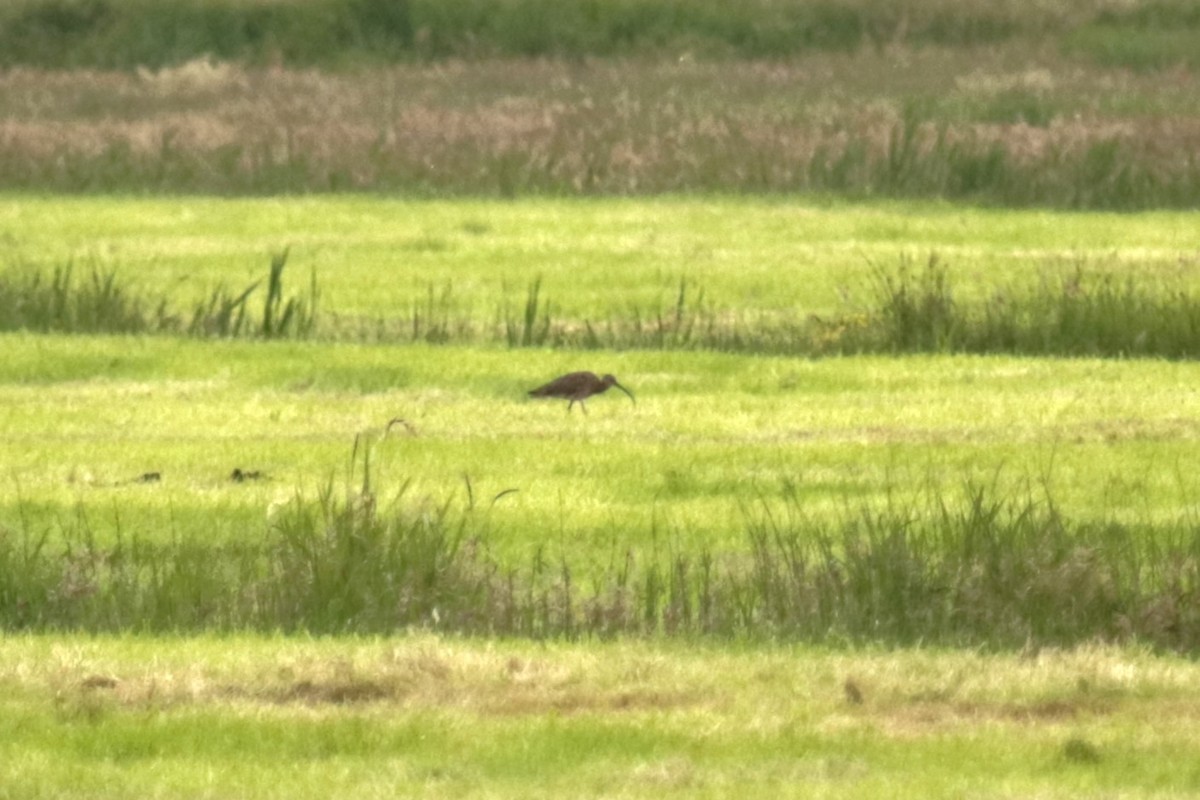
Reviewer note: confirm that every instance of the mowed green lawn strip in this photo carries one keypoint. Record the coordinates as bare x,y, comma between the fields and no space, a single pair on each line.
711,439
265,717
375,258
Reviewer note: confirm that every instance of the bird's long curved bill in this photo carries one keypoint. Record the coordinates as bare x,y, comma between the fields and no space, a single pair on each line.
626,391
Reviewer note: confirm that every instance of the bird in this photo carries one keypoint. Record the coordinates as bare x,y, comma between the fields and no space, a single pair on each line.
578,386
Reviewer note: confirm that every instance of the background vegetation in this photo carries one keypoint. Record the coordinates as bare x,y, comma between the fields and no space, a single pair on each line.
1081,105
130,33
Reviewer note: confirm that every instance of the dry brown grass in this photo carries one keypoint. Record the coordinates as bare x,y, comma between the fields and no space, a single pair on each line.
902,693
900,122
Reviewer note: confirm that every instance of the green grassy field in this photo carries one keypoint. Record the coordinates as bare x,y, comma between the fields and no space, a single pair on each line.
906,506
427,716
711,433
718,445
378,259
710,436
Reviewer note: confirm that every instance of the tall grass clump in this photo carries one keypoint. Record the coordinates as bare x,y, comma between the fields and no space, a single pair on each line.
225,314
64,579
293,317
58,302
983,569
351,561
433,320
339,561
532,327
916,313
1073,313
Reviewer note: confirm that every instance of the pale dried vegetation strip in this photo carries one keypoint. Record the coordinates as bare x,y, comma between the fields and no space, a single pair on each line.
902,694
612,126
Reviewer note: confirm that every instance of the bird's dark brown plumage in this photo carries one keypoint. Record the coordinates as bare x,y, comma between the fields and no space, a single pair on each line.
578,386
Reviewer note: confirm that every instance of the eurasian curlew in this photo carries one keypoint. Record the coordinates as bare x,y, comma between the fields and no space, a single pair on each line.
578,386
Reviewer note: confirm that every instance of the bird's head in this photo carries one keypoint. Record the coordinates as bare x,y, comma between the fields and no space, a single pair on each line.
611,380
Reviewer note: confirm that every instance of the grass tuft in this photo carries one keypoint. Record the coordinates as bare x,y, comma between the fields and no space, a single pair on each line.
532,329
58,303
294,318
1079,314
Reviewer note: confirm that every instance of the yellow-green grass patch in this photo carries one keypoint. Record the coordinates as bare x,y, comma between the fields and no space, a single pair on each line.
376,258
711,438
417,714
